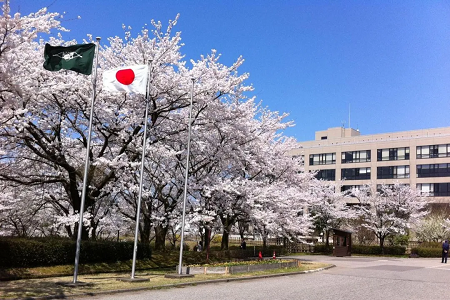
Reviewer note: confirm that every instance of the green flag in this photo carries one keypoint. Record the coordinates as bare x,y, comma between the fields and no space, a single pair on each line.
78,58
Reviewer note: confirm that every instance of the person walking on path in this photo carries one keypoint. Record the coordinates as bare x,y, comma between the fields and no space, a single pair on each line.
445,248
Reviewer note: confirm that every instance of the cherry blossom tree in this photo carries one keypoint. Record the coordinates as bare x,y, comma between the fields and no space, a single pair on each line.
46,124
391,210
249,176
21,206
435,227
280,203
17,34
239,167
165,162
330,209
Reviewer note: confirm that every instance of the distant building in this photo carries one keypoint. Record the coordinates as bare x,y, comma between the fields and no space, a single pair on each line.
419,158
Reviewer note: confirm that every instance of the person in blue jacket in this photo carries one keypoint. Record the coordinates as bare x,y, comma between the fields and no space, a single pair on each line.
445,248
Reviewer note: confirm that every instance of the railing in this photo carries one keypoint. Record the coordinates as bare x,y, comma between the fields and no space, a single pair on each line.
299,247
255,241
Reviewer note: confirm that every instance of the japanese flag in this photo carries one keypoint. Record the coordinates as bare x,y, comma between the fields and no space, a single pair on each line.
131,79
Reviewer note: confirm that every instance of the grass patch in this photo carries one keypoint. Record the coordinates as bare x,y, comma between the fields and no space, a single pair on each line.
67,270
108,282
242,263
160,260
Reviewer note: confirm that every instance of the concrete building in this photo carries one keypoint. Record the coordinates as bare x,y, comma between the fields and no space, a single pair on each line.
419,158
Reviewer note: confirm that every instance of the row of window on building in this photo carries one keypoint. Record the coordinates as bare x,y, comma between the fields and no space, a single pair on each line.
389,172
388,154
428,189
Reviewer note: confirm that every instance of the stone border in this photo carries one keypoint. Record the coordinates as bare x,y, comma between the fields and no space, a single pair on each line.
241,268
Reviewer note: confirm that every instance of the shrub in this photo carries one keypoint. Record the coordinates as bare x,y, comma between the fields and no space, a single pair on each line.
217,239
365,249
398,240
395,250
376,250
251,251
186,247
213,248
430,245
426,252
26,252
322,248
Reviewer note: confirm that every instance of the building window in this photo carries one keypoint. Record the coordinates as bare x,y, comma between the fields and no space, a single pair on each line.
389,186
383,192
355,174
433,151
393,154
301,158
434,189
329,175
349,188
322,159
433,170
393,172
355,156
323,138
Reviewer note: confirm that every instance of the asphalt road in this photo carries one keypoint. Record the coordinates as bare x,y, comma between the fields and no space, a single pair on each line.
353,278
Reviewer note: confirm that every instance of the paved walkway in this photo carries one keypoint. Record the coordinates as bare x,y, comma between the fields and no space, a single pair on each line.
353,278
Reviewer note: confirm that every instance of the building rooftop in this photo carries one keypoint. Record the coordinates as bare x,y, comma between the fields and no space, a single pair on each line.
341,136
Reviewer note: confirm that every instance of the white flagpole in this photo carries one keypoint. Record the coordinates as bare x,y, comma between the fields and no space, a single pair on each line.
138,212
86,167
180,262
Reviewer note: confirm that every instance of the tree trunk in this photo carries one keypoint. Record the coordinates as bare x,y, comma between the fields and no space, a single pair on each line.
264,237
207,238
94,226
84,232
225,238
382,244
160,237
242,227
94,233
327,238
144,231
207,242
69,231
227,223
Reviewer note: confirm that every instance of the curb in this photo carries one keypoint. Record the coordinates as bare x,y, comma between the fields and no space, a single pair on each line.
172,285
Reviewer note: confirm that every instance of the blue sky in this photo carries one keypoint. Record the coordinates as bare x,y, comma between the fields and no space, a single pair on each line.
389,61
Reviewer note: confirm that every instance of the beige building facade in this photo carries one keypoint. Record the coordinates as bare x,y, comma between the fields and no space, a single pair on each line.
419,158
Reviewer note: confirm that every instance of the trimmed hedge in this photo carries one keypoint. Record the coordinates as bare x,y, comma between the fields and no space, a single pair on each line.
21,252
428,249
376,250
236,252
430,245
363,249
427,252
322,248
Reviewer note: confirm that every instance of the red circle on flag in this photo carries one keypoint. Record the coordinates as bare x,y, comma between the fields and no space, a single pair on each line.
125,76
